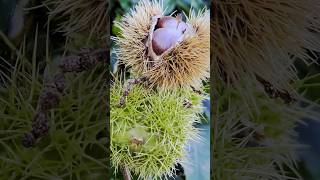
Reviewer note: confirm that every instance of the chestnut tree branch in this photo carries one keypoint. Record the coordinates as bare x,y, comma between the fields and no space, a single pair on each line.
53,90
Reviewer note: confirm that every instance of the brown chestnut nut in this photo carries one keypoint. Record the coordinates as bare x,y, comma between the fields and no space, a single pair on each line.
171,22
182,27
167,22
164,38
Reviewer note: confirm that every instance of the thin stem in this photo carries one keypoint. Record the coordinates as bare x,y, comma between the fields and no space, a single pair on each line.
196,90
125,172
127,89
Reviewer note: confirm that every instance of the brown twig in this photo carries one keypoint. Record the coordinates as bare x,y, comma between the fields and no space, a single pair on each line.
125,172
53,90
127,89
196,90
276,93
187,104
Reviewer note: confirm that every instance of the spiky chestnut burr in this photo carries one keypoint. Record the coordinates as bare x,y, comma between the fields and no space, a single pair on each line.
169,52
89,18
257,137
263,38
153,127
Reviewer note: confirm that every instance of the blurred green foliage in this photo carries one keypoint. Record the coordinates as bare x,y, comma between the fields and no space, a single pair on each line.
74,147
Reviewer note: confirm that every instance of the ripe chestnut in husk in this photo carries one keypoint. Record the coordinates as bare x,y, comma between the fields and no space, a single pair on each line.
168,32
164,38
167,50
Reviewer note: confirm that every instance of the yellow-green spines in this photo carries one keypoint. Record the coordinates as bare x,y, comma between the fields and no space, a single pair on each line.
186,63
257,141
150,133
